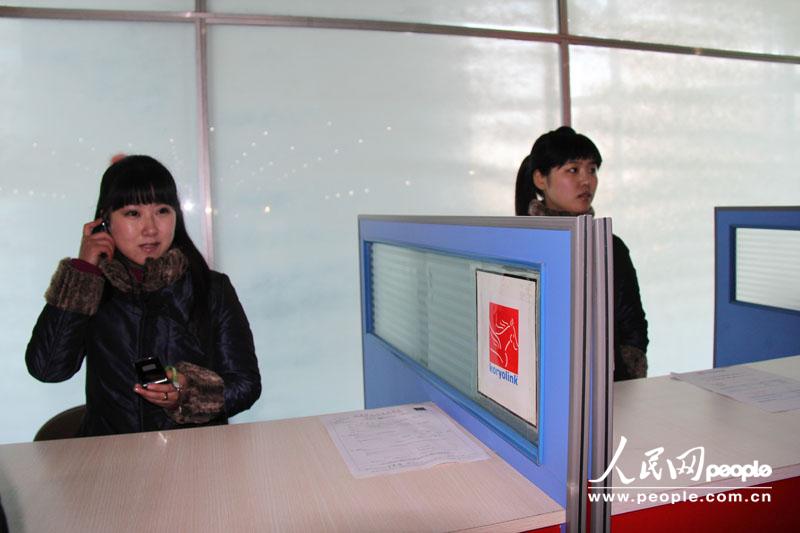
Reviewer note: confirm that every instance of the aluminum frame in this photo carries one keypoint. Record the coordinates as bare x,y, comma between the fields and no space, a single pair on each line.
602,431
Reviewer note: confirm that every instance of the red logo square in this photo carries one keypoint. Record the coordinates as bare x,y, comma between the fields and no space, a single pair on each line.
504,336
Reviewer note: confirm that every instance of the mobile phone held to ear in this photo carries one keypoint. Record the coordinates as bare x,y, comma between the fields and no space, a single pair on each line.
150,370
103,226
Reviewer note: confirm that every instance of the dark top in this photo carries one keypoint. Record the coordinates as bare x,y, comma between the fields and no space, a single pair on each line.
128,327
630,324
3,523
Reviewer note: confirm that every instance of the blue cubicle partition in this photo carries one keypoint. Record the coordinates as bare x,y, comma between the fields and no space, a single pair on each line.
747,332
558,249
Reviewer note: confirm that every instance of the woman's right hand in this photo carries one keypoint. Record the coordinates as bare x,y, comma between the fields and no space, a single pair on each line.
94,246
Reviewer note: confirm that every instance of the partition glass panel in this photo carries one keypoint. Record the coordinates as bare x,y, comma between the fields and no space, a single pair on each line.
424,305
765,27
532,15
313,127
767,266
680,135
70,102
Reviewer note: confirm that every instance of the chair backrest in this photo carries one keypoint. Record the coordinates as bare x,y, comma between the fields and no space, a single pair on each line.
64,425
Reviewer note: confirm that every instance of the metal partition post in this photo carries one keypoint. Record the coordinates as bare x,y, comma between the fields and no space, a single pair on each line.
204,159
578,446
602,431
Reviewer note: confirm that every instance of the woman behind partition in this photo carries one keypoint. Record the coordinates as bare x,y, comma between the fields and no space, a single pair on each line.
559,178
166,341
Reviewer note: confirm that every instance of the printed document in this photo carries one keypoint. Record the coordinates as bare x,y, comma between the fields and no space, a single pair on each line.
399,439
767,391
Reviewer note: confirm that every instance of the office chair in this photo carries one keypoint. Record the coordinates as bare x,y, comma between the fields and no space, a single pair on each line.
62,426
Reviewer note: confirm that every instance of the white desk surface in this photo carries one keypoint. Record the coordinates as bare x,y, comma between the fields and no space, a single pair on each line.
663,412
283,475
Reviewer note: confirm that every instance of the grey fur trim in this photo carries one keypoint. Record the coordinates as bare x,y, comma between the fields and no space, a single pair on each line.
157,273
165,270
117,274
73,290
203,397
634,361
537,209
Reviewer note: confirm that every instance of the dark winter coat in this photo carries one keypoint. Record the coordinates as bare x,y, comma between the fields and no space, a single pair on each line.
630,324
112,322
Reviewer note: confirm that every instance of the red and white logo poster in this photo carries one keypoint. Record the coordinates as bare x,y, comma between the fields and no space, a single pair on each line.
503,337
507,343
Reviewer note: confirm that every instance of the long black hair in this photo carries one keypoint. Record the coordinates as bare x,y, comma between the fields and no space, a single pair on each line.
552,149
140,179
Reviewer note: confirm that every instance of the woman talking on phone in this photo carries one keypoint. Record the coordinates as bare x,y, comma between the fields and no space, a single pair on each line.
138,296
559,178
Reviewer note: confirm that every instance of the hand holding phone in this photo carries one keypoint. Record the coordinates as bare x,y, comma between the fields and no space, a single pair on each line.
103,226
150,371
97,241
158,386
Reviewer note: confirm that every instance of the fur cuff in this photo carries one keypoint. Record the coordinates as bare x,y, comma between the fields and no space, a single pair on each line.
634,362
203,397
73,290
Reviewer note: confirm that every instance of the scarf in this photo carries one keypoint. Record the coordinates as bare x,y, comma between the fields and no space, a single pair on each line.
156,273
537,209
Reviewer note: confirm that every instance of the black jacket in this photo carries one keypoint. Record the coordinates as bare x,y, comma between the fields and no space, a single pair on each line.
128,326
630,324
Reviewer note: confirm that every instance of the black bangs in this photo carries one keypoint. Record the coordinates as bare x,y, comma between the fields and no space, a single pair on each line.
579,147
136,179
557,147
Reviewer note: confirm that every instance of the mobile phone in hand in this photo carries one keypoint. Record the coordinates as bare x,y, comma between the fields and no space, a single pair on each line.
150,370
103,226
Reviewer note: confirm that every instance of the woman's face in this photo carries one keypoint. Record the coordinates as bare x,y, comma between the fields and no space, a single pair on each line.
570,187
143,230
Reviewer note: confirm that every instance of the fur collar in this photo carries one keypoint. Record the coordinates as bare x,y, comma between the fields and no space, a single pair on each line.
537,209
156,274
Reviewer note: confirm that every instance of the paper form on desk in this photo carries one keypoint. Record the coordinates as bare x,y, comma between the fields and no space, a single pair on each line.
767,391
398,439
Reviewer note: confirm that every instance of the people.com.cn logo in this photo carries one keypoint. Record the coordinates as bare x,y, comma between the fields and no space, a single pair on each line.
690,464
504,337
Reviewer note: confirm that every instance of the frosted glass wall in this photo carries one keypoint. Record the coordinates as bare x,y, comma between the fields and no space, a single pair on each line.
70,102
680,135
532,15
152,5
312,128
743,25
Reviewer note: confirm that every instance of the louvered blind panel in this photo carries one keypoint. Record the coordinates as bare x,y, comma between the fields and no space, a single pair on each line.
398,312
768,267
451,315
423,304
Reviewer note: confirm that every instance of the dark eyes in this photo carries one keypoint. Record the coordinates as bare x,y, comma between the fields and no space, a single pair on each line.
163,210
574,170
